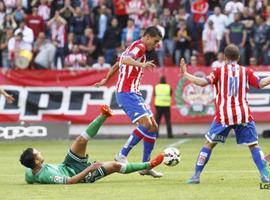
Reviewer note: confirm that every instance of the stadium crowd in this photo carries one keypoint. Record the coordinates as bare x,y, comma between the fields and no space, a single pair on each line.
77,34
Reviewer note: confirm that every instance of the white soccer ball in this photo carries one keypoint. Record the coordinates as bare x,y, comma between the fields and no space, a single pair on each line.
172,156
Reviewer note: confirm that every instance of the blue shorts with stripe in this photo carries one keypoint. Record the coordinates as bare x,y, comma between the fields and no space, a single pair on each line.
134,105
245,133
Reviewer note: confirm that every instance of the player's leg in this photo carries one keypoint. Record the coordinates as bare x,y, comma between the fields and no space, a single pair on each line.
149,141
126,168
78,147
216,134
133,107
167,113
247,134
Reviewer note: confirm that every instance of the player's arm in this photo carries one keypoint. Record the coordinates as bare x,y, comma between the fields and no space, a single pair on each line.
193,79
109,75
8,97
128,60
264,82
77,178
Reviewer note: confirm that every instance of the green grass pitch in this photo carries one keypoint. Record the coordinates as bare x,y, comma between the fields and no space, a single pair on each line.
230,174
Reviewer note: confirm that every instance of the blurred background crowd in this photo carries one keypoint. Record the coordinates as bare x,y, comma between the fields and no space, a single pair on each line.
79,34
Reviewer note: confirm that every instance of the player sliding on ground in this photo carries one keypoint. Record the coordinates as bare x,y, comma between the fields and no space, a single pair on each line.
76,168
231,84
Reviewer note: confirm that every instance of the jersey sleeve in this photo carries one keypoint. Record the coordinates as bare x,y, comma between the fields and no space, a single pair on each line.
213,77
29,176
253,79
136,52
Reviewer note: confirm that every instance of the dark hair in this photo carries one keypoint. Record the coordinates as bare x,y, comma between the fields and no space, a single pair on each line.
232,52
162,79
152,31
28,158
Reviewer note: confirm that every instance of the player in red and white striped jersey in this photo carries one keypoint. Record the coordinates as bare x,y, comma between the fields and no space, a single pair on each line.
231,83
129,98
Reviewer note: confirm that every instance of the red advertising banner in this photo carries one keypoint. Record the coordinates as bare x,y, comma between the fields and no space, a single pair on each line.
43,95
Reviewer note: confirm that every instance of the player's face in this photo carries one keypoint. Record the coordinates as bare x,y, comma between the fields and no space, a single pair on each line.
152,42
39,157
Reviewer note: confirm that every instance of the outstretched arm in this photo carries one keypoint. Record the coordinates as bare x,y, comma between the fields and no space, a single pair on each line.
264,82
193,79
9,98
109,75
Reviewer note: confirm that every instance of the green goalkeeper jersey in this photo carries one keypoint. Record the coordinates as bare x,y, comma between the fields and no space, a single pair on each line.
50,174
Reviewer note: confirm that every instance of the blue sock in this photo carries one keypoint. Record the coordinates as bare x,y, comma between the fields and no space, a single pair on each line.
258,158
202,159
133,139
148,145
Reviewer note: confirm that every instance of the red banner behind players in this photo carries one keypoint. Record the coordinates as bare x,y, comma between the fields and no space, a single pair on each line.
43,95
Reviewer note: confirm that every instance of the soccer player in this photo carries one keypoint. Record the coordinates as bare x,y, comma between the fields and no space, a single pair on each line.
231,83
131,64
76,168
9,98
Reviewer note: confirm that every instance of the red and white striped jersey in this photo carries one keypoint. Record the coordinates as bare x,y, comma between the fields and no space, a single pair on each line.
130,76
231,84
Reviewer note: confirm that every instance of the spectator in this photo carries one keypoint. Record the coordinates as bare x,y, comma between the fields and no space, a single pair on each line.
67,11
78,24
43,10
2,13
101,22
45,51
193,61
172,5
219,62
211,42
28,35
163,97
9,22
5,35
10,5
121,12
258,39
236,34
199,9
112,41
169,23
252,61
154,8
219,20
129,34
100,65
232,7
57,26
76,59
35,22
91,46
135,10
70,43
19,14
182,42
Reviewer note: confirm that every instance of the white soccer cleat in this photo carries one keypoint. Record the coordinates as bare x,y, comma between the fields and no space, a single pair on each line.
121,158
151,172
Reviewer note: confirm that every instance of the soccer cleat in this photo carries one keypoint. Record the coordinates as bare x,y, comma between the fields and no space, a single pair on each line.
265,175
106,110
156,160
151,172
194,180
120,158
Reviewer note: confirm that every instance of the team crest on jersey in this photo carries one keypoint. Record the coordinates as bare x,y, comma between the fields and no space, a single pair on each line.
193,100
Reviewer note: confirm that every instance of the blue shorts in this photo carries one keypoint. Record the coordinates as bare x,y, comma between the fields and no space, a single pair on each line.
133,105
245,133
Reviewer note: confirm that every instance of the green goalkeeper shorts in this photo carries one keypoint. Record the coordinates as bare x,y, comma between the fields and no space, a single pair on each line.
78,164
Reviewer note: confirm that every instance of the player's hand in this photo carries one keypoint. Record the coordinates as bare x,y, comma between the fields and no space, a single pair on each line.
9,98
95,166
183,66
149,64
101,83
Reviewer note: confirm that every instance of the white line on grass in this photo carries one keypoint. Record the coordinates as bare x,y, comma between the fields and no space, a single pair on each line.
178,143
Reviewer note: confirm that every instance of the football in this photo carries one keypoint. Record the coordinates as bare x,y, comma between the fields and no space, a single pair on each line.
172,156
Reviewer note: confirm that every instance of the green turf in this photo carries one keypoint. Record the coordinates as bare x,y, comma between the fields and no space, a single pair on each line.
230,174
